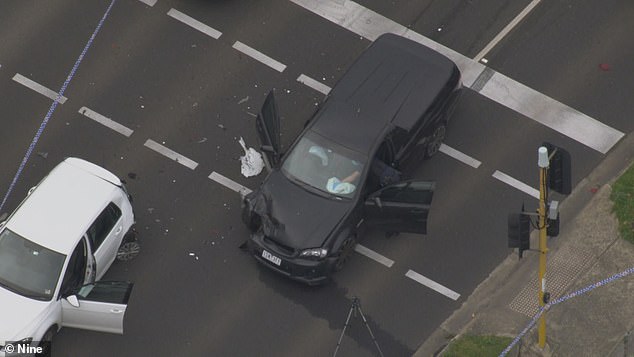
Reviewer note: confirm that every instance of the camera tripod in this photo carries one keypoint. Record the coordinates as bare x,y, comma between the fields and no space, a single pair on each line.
356,307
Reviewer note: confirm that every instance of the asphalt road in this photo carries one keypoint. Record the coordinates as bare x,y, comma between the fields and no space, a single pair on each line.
196,293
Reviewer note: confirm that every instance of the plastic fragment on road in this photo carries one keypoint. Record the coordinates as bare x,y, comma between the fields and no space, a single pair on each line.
252,163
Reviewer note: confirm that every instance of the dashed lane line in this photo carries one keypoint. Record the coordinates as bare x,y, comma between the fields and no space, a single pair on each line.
462,157
149,2
259,56
190,21
432,285
170,154
373,255
501,89
107,122
314,84
29,83
230,184
516,183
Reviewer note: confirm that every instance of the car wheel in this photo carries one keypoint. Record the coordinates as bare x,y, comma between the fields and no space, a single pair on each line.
436,140
129,247
344,252
46,342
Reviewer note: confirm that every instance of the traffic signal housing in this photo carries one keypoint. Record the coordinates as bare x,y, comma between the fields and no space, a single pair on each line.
559,169
519,229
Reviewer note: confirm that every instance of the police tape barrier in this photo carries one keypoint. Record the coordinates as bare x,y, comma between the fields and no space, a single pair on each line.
562,299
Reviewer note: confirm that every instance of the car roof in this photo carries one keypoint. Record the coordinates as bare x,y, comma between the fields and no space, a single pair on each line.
393,82
59,211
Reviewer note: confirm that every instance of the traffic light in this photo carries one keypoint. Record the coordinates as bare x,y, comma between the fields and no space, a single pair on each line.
559,179
519,228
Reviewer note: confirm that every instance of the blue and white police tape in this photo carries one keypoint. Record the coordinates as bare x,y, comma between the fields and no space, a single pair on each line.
54,105
562,299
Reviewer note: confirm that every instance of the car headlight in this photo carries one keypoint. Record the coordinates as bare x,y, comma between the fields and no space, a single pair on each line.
314,253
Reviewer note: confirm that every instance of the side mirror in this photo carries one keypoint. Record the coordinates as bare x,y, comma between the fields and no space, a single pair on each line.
73,301
377,201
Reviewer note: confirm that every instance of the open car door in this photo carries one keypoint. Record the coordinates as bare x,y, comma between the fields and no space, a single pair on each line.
99,306
267,125
401,207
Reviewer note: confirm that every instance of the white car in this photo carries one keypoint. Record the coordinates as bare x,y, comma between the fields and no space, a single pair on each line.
54,249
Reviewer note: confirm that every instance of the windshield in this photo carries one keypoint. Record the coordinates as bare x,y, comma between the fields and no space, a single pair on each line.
28,268
325,165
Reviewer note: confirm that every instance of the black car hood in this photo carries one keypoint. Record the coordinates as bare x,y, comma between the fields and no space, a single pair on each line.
294,216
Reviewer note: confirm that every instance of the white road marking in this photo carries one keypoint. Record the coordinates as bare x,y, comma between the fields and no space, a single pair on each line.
464,158
259,56
510,93
194,23
373,255
516,183
149,143
38,88
121,129
149,2
432,285
230,184
506,30
314,84
551,113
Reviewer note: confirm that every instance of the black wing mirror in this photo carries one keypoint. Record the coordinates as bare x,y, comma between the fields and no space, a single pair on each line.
377,201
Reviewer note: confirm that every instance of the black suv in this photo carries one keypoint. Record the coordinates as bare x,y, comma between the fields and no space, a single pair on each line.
342,172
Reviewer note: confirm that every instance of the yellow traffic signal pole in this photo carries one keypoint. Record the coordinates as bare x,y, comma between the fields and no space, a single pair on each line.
543,169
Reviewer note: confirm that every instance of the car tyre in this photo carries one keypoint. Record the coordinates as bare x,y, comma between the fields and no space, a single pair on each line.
47,341
435,140
129,247
347,247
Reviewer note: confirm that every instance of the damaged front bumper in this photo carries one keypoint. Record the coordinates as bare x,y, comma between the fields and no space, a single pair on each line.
307,271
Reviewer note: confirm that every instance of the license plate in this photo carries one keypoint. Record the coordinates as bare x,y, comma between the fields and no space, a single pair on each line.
270,257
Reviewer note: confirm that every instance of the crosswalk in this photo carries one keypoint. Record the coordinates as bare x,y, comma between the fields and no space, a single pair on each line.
493,85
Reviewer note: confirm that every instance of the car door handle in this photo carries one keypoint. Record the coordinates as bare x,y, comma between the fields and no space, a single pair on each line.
116,311
118,230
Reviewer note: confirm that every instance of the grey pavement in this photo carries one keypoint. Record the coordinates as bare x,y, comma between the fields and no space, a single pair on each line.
587,250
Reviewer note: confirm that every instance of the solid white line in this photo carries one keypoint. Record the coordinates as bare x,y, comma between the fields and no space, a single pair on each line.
170,154
230,184
432,285
369,24
506,30
373,255
551,113
123,130
194,23
314,84
259,56
516,184
38,88
149,2
510,93
464,158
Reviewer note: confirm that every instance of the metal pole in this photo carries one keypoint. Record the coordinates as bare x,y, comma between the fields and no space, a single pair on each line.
543,169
